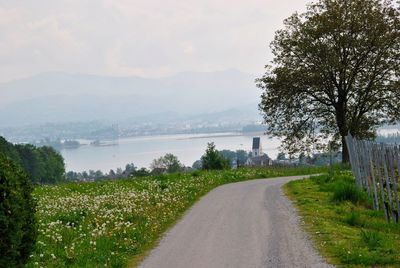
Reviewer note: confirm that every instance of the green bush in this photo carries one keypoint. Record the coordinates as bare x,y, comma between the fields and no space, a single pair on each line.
17,211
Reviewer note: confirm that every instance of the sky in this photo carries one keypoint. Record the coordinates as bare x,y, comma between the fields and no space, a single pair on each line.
148,38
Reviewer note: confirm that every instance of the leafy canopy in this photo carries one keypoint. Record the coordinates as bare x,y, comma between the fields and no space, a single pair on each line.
335,70
43,164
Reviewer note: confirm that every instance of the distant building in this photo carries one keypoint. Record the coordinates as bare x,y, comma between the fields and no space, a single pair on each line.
259,161
258,158
287,162
257,148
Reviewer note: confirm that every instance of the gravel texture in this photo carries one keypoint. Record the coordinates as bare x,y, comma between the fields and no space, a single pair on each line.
240,225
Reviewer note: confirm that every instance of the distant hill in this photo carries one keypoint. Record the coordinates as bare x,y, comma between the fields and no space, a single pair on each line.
62,97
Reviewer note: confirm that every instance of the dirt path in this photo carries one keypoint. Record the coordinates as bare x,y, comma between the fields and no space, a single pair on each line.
241,225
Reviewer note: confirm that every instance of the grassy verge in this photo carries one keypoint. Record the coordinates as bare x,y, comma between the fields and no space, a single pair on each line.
342,223
115,223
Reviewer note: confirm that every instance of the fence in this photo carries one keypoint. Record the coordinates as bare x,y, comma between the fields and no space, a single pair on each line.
376,168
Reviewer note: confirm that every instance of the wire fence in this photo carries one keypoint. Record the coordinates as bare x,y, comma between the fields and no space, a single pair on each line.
376,168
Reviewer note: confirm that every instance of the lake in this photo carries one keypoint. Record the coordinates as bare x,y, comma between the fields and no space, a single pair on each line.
142,150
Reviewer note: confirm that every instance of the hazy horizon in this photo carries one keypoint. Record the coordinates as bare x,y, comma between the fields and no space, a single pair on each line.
113,60
133,38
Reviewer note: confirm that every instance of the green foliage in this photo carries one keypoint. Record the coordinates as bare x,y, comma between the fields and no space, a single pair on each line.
142,172
342,186
54,166
17,221
332,75
43,164
240,156
9,150
354,219
214,160
130,169
343,191
31,161
372,239
168,163
197,165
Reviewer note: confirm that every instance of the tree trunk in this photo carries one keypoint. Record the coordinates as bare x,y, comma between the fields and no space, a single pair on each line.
345,151
342,125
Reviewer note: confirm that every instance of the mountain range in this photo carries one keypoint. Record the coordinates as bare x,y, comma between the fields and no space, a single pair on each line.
64,97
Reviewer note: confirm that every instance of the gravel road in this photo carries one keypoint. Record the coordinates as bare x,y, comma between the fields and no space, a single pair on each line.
241,225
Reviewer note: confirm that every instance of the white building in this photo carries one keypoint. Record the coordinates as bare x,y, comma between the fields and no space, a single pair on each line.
258,158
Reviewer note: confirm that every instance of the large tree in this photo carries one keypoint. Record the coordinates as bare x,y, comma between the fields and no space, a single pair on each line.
335,71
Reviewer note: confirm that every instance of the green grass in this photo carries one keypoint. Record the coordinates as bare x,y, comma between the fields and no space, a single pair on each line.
340,220
115,223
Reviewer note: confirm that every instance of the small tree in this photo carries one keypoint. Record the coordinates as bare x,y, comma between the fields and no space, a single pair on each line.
168,162
129,169
172,163
197,165
242,156
213,159
17,215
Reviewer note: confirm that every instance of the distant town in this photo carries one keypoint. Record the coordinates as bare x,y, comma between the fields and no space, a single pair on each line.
66,135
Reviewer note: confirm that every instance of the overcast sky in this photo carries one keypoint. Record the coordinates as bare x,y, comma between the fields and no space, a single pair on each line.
149,38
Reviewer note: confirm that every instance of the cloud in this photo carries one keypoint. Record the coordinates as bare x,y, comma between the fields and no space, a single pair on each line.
135,37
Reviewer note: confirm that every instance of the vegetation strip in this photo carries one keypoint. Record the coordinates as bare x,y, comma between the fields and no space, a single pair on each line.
112,222
341,221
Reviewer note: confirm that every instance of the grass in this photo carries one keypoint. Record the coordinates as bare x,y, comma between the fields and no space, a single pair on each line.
340,220
345,191
115,223
354,219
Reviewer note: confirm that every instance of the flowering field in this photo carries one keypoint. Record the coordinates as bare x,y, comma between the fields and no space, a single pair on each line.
114,223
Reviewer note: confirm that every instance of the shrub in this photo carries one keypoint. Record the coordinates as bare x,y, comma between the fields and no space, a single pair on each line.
17,211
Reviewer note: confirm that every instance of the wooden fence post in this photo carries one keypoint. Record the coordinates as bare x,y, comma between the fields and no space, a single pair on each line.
376,168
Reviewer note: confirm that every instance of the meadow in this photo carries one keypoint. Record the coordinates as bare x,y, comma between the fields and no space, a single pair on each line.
340,219
115,223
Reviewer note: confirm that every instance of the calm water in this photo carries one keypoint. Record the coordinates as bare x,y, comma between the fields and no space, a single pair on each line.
142,150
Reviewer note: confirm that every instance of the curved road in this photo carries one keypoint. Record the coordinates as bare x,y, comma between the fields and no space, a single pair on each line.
241,225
